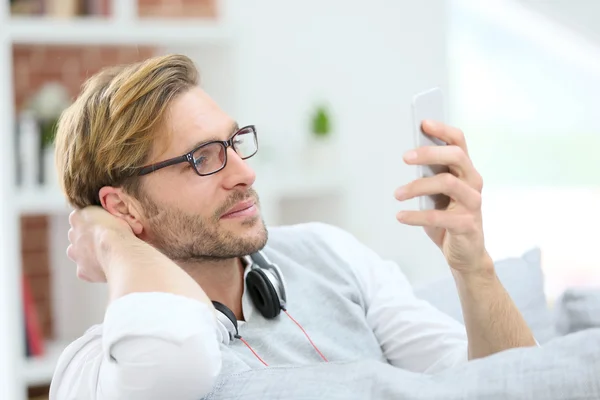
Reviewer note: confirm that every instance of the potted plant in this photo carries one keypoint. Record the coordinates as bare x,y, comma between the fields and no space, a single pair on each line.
321,125
47,105
321,139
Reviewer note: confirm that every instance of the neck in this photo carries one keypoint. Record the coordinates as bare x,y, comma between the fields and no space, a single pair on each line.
221,280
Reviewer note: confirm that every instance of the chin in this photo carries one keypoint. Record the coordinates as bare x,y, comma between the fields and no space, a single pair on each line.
250,230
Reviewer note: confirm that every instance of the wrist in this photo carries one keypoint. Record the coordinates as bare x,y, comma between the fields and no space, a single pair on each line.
481,272
108,241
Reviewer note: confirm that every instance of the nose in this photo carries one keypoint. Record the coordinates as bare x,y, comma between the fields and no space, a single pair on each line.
237,173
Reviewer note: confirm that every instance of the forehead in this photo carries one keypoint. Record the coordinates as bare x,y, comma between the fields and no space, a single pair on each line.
194,117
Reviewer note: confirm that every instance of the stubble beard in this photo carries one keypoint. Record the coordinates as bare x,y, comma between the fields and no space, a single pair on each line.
188,237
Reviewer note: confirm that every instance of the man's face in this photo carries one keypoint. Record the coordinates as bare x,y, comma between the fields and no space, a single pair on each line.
187,216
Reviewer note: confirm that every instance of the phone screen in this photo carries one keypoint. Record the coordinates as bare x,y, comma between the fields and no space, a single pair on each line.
429,105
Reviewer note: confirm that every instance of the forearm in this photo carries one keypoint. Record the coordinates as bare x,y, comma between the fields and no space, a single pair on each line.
492,320
133,266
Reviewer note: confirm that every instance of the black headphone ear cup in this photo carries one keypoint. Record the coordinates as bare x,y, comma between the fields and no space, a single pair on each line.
263,294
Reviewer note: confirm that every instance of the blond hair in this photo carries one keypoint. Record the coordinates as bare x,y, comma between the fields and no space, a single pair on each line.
108,132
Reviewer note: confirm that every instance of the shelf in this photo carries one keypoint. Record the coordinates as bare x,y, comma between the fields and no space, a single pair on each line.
103,31
42,201
39,370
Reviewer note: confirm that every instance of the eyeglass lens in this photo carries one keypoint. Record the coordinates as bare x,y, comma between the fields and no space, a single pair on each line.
211,158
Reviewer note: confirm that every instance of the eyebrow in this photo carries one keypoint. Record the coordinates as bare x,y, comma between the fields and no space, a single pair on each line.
234,128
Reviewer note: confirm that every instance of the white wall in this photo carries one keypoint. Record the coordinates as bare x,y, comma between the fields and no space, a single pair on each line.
581,16
366,59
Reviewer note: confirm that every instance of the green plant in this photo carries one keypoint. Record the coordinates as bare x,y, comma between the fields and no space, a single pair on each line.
47,104
321,124
48,132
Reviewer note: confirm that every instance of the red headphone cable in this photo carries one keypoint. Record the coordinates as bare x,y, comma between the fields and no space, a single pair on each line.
251,349
305,334
299,326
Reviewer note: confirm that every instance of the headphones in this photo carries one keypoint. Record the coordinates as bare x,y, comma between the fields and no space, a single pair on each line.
266,288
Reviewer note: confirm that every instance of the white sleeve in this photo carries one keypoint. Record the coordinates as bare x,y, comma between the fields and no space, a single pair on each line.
150,346
413,334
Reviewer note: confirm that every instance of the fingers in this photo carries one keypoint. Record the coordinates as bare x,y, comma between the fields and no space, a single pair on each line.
72,216
449,134
454,157
71,252
82,275
447,184
458,223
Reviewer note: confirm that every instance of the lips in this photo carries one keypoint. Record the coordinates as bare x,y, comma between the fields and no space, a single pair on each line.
241,206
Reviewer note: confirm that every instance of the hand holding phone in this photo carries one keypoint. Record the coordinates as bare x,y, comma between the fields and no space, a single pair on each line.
450,193
429,105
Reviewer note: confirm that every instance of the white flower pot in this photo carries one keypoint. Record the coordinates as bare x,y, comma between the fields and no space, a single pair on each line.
319,152
50,176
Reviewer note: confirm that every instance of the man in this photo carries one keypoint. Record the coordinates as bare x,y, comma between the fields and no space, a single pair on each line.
166,216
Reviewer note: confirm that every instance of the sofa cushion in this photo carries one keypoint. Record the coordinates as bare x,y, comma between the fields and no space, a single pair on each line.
578,309
523,279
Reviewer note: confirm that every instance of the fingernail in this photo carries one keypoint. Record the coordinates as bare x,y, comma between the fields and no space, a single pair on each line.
411,155
429,124
400,216
399,193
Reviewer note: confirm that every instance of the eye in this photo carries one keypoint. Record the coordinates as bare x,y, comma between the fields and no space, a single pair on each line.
199,161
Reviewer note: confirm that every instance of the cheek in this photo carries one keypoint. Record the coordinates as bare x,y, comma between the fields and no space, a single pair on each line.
197,196
193,195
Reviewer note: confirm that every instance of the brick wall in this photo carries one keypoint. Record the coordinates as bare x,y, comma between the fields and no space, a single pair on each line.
177,8
35,65
173,8
146,8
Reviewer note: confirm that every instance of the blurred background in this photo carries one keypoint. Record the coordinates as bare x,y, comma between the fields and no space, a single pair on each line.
329,84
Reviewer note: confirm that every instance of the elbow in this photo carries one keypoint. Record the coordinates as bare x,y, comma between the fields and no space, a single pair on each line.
188,368
193,369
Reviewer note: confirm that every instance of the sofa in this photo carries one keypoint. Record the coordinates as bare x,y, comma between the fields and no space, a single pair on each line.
576,310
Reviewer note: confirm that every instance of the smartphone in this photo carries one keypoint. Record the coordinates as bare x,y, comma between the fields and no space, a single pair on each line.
429,105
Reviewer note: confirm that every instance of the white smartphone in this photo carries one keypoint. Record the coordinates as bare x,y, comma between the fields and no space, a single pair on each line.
429,105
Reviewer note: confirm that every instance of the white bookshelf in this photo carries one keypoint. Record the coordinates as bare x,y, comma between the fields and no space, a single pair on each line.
42,201
38,370
108,31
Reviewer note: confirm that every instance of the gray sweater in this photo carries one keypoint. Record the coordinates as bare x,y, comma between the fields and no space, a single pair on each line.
354,306
359,310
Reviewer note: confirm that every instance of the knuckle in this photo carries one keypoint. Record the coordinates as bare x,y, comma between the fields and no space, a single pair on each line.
479,182
458,155
470,223
477,201
71,252
448,180
72,217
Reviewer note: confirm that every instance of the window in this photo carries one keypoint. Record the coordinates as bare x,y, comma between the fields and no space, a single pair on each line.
525,90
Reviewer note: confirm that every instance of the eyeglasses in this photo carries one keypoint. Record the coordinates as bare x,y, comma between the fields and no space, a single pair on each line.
211,157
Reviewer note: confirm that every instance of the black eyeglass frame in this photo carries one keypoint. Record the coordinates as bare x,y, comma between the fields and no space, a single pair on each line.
189,157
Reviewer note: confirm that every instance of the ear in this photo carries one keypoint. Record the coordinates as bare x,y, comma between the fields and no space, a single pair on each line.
119,204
